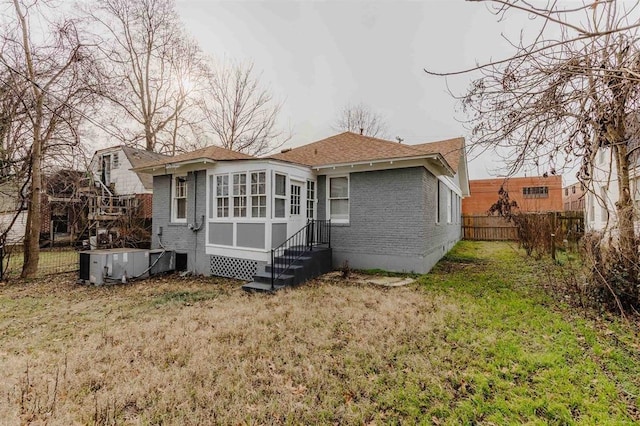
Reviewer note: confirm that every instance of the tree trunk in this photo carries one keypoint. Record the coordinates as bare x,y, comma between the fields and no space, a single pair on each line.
624,207
34,221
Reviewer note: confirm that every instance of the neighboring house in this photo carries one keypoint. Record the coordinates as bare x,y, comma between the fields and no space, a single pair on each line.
573,197
391,206
602,190
60,209
112,174
63,208
533,194
602,194
13,214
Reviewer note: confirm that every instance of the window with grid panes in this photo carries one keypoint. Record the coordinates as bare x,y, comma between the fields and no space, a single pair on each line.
258,194
222,195
239,195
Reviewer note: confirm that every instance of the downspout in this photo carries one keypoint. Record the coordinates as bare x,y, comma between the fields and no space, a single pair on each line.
195,227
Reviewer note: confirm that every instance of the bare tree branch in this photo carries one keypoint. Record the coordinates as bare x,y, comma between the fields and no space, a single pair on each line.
239,113
359,118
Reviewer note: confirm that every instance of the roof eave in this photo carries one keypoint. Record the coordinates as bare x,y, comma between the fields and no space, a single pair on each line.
170,165
434,156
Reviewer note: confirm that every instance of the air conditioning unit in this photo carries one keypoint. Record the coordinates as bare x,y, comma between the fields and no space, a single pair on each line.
161,261
113,265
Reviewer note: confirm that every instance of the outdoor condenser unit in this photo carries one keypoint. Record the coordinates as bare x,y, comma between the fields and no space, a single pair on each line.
161,261
111,265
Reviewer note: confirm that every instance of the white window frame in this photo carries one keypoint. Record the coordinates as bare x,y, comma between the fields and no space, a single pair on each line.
277,196
330,199
438,204
257,198
449,206
221,197
295,206
238,194
311,199
175,197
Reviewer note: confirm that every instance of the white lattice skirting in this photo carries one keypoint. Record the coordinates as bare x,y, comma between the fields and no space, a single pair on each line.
232,267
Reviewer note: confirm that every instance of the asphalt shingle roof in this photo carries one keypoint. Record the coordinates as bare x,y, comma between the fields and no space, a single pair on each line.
350,147
214,153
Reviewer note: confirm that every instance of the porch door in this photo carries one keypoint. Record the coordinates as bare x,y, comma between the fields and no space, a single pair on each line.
297,214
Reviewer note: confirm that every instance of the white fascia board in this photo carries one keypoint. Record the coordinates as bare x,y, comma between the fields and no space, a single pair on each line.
294,170
175,168
385,164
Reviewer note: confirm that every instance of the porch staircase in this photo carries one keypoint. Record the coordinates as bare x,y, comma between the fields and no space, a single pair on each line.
306,255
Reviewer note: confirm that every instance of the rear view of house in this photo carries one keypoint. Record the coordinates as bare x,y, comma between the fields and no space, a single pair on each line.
386,205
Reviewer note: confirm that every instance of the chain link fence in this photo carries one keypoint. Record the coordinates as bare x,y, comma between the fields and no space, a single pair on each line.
54,260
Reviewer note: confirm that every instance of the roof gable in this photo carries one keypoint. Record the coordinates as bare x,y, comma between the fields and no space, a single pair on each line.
451,149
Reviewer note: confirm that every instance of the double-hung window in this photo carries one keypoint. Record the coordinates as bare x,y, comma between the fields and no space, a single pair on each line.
240,195
280,196
339,199
311,198
258,194
222,195
179,204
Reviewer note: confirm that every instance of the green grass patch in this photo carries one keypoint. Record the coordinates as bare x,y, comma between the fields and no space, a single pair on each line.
521,356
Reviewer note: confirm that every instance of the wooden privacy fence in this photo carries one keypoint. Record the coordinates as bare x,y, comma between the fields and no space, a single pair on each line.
567,226
488,228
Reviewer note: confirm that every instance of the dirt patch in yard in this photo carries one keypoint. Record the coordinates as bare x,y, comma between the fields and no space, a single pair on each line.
359,278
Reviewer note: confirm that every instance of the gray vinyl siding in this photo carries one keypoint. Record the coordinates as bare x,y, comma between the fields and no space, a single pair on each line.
392,223
178,236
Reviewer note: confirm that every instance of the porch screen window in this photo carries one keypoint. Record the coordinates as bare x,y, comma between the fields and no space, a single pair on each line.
295,199
339,198
240,195
280,195
222,195
311,198
258,194
180,198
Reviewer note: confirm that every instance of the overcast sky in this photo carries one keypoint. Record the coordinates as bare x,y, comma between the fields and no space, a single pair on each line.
320,56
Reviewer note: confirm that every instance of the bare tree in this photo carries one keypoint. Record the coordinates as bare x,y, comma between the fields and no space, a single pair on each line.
239,113
52,81
151,67
569,89
359,118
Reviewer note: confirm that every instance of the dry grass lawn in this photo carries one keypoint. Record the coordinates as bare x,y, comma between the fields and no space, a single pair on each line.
194,352
201,351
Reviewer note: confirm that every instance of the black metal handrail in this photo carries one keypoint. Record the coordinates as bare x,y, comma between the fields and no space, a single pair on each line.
315,232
